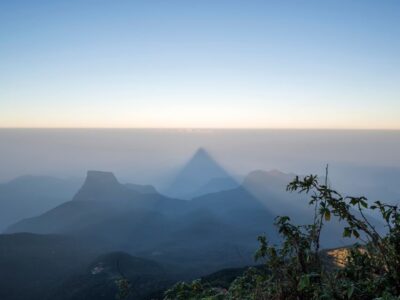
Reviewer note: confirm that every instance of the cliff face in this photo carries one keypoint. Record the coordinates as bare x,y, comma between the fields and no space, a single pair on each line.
102,186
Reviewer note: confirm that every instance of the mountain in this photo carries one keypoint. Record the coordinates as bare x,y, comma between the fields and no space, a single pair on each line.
213,231
239,207
32,265
375,182
103,186
197,175
99,279
28,196
221,280
216,185
274,181
66,268
150,234
269,187
247,218
143,189
100,200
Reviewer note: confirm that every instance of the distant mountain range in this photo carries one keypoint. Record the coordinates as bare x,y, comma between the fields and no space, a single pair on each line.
33,265
27,196
98,281
109,213
45,267
156,239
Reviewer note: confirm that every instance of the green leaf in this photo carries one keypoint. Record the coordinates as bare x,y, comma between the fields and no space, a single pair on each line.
304,282
346,232
350,291
327,215
353,201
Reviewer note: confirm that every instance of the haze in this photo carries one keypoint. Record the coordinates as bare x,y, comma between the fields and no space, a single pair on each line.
154,156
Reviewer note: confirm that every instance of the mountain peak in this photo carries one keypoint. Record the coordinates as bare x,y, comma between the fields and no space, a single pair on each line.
100,177
100,185
266,178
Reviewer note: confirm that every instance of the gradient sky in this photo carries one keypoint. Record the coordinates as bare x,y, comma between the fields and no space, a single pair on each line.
216,63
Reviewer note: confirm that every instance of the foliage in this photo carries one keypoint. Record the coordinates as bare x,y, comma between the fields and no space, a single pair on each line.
124,287
295,269
194,290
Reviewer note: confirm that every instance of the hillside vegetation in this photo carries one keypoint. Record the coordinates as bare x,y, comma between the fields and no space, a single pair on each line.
298,269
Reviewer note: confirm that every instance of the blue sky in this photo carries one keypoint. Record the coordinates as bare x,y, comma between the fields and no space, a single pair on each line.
252,64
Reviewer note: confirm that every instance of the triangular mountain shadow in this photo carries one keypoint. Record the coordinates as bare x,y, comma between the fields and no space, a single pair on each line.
200,175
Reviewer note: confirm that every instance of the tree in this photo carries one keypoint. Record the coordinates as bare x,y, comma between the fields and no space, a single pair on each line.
295,269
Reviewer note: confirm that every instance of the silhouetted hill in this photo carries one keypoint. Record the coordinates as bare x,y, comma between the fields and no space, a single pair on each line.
216,185
31,265
29,196
164,239
213,231
273,181
101,199
103,186
236,206
210,232
98,281
222,279
270,189
245,213
143,189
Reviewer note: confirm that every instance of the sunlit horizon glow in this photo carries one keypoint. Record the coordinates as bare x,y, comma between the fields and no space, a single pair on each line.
208,64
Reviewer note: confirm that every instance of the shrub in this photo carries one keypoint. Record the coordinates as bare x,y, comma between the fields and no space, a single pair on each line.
295,269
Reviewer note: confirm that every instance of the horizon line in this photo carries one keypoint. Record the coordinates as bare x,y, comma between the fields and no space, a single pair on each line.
205,128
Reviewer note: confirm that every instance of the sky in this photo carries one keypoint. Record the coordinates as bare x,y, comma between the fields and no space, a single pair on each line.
200,64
